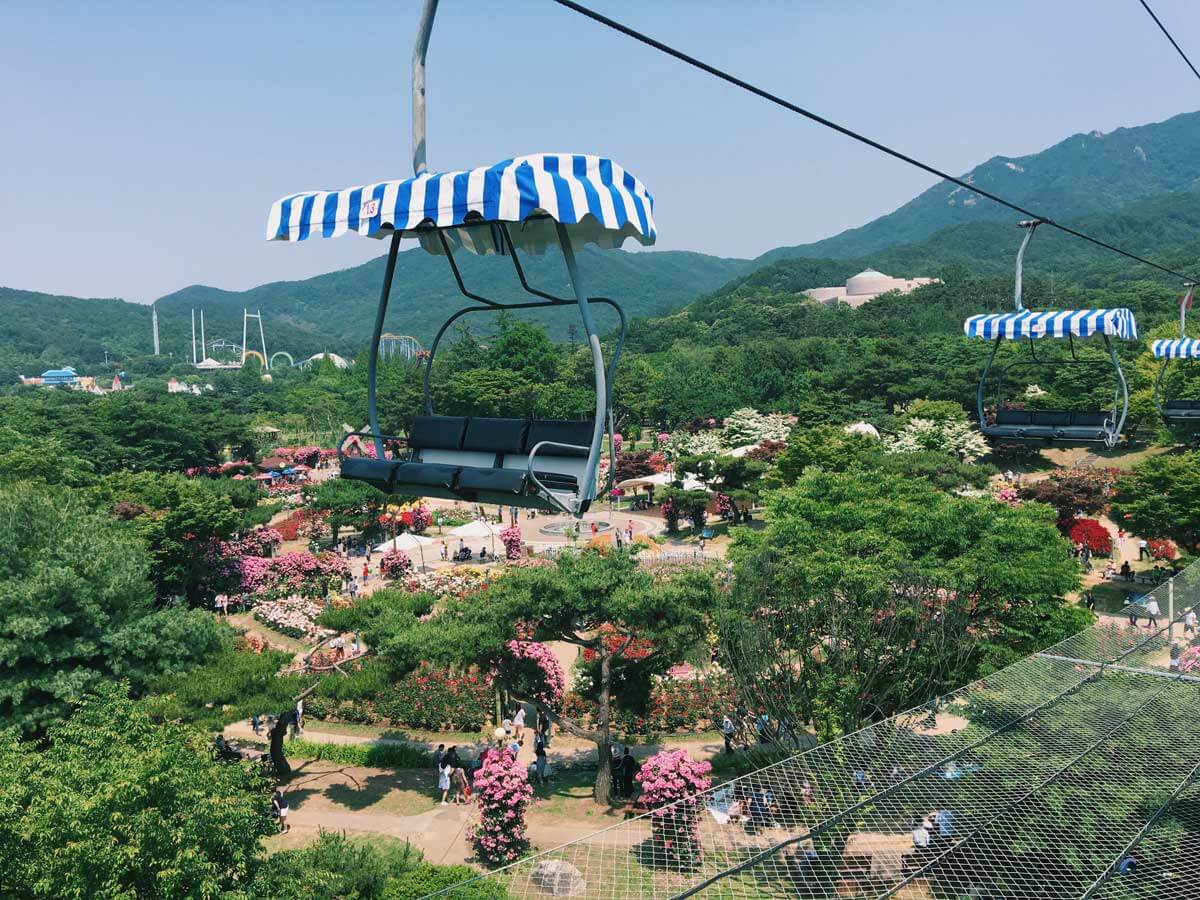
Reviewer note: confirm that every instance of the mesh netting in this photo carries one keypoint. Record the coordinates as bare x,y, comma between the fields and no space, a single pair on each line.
1039,781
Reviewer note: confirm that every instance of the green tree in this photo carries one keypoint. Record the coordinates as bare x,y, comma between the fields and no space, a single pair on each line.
602,603
69,581
1161,498
41,457
117,805
349,503
863,596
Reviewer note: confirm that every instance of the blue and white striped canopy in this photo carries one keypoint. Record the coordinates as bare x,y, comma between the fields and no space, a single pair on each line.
1118,323
598,201
1176,348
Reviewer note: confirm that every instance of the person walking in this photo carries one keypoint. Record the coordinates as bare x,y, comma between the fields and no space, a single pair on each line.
1143,550
256,725
518,721
353,589
539,764
279,809
1189,623
629,768
544,726
437,756
1152,612
728,731
366,573
444,782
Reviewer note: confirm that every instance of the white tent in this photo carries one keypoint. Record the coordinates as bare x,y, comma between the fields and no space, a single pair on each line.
659,479
406,542
477,529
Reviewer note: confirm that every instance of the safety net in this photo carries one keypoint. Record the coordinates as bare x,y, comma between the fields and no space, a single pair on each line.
1065,775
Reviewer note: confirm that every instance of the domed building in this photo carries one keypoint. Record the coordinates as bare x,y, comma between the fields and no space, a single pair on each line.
865,287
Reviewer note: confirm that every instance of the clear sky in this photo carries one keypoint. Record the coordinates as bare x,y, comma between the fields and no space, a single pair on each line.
143,143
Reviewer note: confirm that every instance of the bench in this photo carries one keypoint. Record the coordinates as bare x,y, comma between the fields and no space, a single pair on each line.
1049,426
1182,410
485,460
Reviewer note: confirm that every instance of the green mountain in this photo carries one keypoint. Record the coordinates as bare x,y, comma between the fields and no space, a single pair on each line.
1082,175
337,311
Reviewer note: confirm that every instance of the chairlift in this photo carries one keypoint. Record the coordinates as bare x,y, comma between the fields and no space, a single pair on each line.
1052,427
1177,413
527,203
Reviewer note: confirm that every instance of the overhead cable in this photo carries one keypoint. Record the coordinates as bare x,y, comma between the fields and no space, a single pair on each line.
854,135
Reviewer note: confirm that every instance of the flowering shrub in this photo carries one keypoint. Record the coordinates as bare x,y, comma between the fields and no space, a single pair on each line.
724,504
225,470
1189,659
395,564
671,782
307,456
292,573
1008,496
618,441
504,794
1161,548
294,616
670,514
1092,535
959,437
534,665
457,582
766,451
433,699
512,542
749,426
675,706
260,542
619,645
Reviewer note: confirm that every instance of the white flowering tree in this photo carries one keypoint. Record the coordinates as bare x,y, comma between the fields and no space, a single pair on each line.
749,426
947,436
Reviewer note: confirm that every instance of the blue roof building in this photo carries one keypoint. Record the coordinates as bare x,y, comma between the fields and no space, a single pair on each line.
65,375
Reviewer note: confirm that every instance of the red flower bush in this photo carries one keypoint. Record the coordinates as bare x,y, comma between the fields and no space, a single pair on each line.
671,784
1092,535
504,795
1161,548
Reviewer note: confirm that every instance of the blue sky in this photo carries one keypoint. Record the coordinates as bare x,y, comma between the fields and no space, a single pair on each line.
144,142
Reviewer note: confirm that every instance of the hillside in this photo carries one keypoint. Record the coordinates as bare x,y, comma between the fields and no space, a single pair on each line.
1083,174
336,311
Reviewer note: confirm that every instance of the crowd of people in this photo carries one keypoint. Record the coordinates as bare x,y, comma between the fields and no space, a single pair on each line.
456,770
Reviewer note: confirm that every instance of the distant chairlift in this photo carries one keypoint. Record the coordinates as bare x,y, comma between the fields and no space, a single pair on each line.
1177,413
529,203
1049,427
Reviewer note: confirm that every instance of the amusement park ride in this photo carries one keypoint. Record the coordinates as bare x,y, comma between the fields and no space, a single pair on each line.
223,353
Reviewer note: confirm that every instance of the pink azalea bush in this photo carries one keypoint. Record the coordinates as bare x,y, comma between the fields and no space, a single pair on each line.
502,786
533,665
512,542
292,573
260,542
1189,659
395,564
671,784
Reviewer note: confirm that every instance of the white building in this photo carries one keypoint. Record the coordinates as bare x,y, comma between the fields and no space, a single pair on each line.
865,287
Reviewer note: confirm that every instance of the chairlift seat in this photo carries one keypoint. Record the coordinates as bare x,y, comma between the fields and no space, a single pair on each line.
379,473
1058,426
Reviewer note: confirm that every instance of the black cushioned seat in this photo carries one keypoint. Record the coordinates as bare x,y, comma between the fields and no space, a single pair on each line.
503,481
380,473
495,435
561,431
1013,417
1183,406
558,481
436,432
1049,426
427,475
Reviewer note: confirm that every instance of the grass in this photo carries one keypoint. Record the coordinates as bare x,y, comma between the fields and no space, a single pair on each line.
387,756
